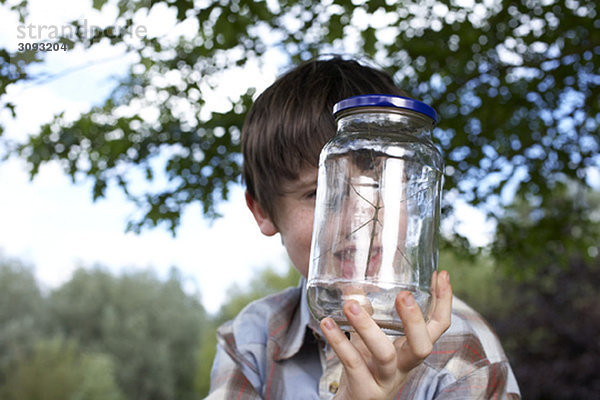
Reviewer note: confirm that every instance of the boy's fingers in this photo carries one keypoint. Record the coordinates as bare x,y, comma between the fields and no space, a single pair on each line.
420,336
440,318
417,344
349,356
381,348
405,353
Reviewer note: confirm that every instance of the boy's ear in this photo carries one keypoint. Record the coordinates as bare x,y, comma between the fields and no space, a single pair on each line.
267,227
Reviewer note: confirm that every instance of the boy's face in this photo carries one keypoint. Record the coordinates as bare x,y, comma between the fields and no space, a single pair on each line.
295,211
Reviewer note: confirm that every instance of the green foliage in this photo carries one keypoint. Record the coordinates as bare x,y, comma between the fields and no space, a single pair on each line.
551,333
205,357
58,369
150,328
99,336
267,281
22,312
552,329
97,4
516,85
477,281
568,227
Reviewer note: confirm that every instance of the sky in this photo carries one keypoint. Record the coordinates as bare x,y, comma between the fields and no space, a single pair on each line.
52,223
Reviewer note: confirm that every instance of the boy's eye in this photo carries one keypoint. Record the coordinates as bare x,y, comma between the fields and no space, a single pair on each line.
312,194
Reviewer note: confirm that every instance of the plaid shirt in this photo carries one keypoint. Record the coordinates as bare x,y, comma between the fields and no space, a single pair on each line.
275,350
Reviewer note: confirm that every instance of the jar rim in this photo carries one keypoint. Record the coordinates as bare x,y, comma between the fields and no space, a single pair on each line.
385,100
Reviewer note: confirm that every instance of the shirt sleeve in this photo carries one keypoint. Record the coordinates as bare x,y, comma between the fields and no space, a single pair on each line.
492,381
227,380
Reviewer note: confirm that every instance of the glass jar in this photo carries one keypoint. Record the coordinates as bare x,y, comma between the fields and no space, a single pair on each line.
377,211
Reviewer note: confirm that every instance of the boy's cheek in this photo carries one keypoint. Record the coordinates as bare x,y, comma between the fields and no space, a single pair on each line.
298,252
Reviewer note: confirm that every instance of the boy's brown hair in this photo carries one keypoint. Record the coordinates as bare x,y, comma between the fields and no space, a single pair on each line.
290,122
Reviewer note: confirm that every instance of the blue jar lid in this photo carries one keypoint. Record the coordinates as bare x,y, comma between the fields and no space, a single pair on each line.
385,100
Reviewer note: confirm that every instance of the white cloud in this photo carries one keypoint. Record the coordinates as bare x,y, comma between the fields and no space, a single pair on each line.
474,224
53,225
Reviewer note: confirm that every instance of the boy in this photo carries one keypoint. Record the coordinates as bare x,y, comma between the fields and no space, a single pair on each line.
274,349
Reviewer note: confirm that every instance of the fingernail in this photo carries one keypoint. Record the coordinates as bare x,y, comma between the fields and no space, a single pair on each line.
328,323
408,300
354,308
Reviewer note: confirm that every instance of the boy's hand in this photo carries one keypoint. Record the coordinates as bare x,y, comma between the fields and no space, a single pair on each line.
374,366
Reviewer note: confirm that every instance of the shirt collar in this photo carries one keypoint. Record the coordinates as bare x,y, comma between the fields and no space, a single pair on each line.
301,319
